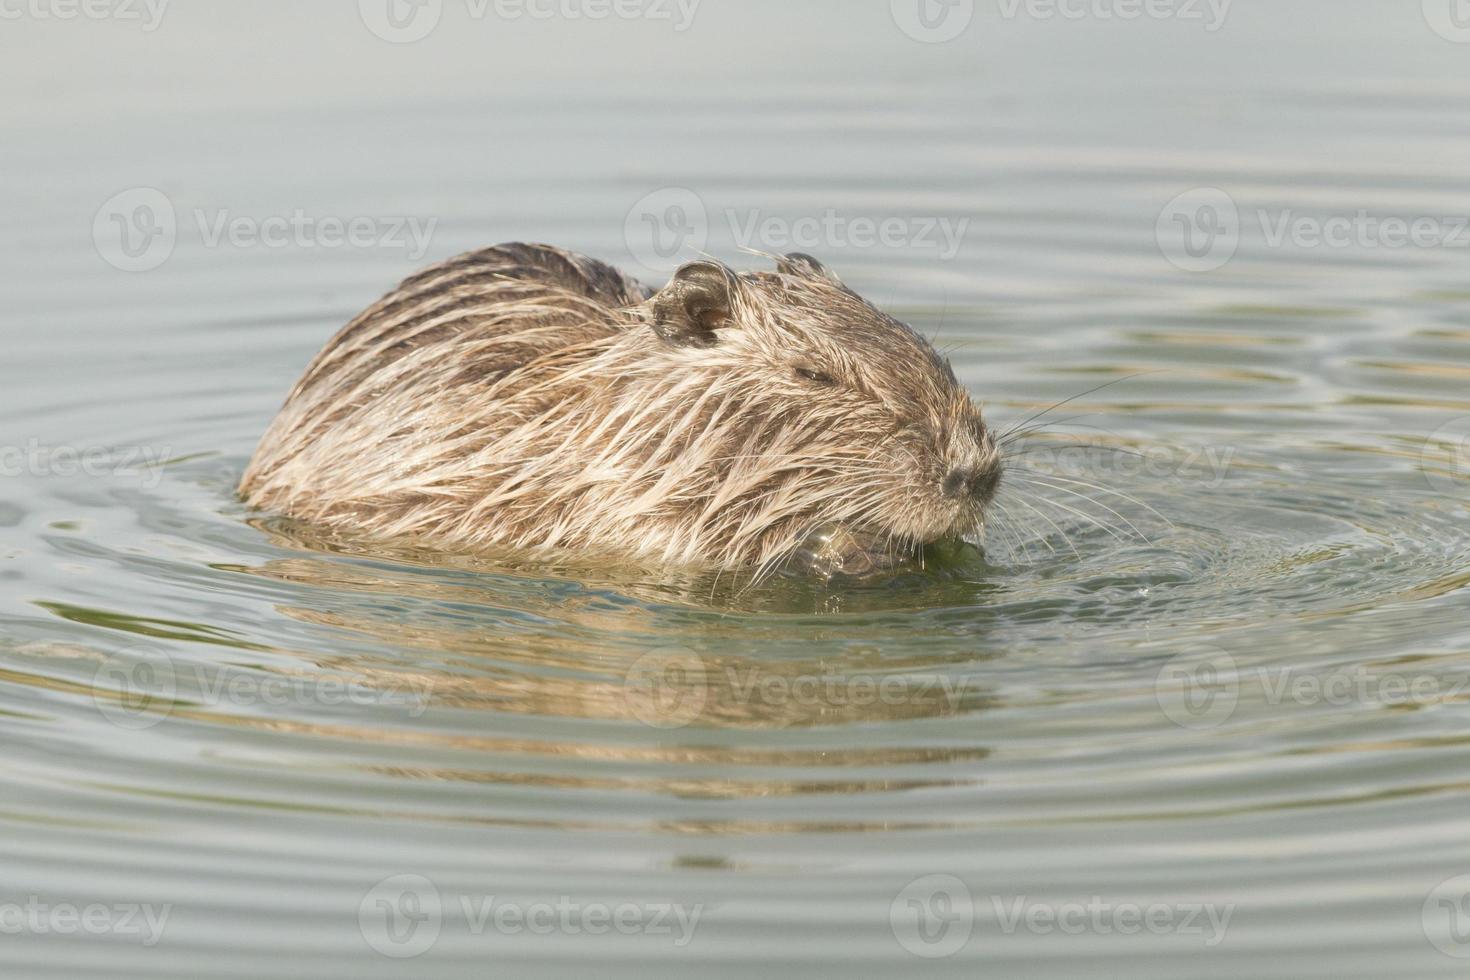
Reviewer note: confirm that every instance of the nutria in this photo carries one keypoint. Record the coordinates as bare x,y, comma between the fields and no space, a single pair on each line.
527,396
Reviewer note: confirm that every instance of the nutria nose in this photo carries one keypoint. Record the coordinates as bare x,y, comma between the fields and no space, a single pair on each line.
972,481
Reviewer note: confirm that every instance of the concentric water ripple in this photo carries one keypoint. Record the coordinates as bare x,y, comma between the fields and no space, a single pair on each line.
1212,659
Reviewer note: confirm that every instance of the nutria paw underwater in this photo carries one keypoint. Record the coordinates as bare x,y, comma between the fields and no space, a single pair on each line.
527,396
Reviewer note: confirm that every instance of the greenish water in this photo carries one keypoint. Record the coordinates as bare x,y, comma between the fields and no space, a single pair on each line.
1199,709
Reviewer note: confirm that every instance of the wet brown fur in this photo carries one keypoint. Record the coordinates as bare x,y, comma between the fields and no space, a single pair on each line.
526,396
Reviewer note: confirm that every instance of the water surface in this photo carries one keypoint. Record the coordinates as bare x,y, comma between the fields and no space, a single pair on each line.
1226,685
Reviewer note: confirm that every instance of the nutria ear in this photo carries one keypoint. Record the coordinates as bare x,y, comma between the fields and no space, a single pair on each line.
801,264
694,304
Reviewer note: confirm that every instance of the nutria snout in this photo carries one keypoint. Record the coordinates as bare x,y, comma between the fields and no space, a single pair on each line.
527,396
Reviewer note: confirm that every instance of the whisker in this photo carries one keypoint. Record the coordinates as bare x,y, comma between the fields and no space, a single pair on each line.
1096,503
1045,427
1012,537
1065,536
1012,529
1070,445
1020,433
1116,493
1084,515
1068,401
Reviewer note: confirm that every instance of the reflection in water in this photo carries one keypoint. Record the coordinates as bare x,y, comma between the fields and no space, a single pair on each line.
410,707
612,660
960,567
260,723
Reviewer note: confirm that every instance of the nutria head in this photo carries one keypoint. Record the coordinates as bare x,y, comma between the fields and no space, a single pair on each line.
833,419
526,396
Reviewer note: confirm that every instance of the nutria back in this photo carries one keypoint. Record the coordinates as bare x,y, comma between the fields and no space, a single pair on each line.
526,396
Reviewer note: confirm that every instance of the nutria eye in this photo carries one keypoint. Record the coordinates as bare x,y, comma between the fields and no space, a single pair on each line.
816,377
